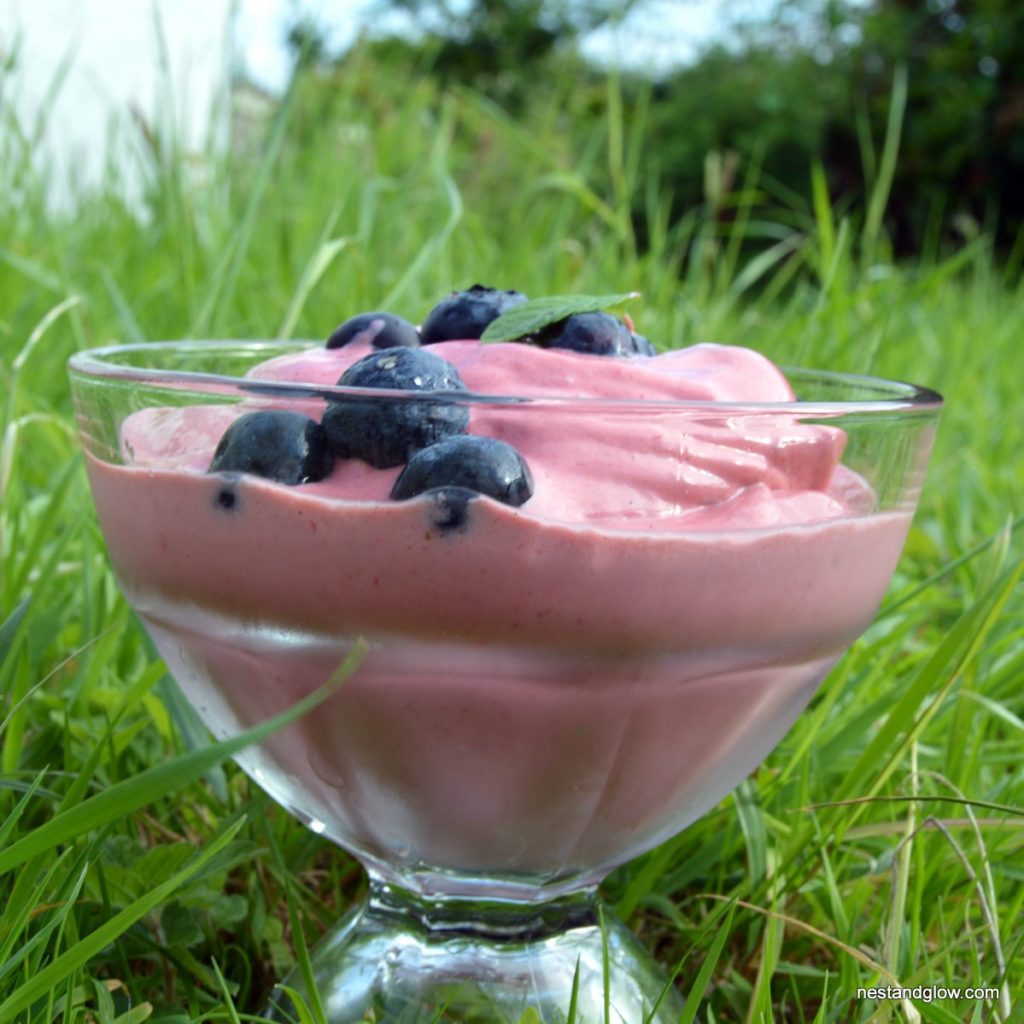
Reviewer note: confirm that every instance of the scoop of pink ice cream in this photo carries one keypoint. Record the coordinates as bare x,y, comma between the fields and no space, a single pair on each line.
552,688
615,465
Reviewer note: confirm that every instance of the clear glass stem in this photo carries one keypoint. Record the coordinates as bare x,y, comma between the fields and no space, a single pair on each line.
405,959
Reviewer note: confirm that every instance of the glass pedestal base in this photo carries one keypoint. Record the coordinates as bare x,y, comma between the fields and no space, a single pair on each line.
401,959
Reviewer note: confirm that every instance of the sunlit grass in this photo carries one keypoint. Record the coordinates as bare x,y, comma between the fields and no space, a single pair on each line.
143,878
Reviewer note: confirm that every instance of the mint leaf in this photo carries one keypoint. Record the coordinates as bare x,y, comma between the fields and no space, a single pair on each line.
538,313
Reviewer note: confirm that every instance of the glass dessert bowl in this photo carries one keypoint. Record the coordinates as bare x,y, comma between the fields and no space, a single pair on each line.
556,678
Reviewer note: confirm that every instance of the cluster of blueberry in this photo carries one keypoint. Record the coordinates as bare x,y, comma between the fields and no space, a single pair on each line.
466,315
427,435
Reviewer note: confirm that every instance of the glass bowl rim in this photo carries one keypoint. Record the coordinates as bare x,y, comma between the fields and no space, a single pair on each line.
100,362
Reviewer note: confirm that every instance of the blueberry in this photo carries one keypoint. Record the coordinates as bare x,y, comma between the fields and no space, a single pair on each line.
385,432
642,346
283,446
382,330
599,334
466,314
449,511
482,465
227,496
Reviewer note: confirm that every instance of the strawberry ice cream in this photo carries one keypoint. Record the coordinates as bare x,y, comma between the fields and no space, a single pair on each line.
549,689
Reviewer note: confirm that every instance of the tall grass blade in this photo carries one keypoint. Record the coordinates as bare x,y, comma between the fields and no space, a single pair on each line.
707,969
47,979
882,186
325,254
150,785
224,279
937,677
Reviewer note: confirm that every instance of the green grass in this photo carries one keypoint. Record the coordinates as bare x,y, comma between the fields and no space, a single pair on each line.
143,878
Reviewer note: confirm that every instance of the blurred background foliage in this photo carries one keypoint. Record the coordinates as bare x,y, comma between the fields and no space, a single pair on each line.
805,81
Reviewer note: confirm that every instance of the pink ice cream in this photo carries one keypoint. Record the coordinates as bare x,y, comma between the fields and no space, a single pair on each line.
553,688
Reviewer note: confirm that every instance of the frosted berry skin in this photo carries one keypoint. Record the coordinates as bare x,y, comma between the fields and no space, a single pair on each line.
283,446
387,433
380,330
465,315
